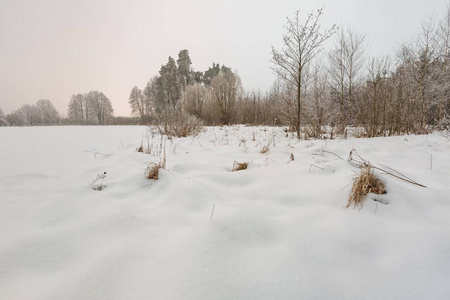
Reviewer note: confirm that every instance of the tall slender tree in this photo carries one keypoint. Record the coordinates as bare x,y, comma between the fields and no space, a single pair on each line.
346,62
136,101
168,85
302,44
184,69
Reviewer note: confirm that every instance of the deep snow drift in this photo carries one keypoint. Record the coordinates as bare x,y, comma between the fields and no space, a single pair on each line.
279,230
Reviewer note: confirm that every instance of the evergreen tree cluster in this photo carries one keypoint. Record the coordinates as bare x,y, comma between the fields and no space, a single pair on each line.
179,87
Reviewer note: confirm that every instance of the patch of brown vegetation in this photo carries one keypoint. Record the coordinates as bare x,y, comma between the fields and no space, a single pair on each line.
152,171
237,166
364,184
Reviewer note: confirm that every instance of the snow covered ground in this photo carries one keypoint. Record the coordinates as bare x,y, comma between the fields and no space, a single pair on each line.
279,229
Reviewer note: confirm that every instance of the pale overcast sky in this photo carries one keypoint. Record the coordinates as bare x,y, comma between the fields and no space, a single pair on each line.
51,49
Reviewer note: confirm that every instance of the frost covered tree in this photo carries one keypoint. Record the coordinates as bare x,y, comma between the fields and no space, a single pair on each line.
318,101
225,91
100,107
213,72
33,115
49,113
3,121
254,108
168,85
346,61
143,102
76,110
150,93
377,96
90,108
17,118
197,77
301,45
443,71
193,100
425,54
184,69
136,101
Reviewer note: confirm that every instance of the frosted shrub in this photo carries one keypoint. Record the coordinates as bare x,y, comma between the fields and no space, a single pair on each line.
177,124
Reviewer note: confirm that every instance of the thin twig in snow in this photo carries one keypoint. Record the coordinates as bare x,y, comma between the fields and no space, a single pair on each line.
364,163
212,212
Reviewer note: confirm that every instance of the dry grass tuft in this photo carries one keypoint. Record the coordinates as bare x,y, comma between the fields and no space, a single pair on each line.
153,171
239,166
265,149
364,184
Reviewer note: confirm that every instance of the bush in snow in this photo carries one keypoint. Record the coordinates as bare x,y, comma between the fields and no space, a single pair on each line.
174,123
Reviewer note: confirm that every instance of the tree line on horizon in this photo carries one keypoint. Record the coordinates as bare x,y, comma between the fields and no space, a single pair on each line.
42,113
315,90
92,108
408,92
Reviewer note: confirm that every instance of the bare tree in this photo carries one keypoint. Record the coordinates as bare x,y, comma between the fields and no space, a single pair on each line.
150,95
346,63
76,110
373,109
426,50
302,43
193,99
225,90
443,35
318,101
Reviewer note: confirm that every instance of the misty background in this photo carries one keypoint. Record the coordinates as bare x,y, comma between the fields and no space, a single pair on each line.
53,49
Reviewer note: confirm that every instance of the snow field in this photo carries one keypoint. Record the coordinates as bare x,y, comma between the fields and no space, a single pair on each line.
280,229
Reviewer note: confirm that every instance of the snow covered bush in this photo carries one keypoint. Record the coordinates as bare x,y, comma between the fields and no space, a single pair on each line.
3,121
174,123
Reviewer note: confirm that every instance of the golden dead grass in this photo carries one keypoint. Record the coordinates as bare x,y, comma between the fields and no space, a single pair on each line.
239,166
364,184
152,171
